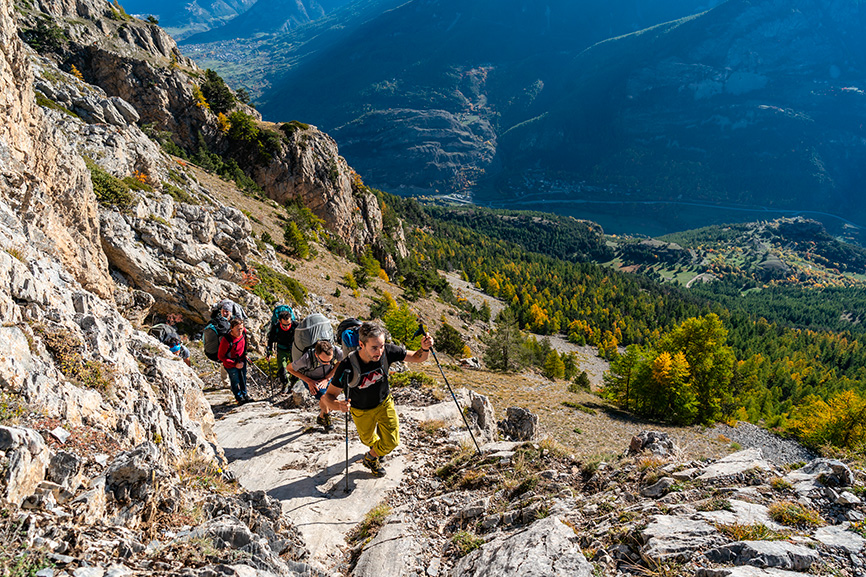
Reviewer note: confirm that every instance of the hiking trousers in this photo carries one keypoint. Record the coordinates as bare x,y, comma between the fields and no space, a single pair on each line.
284,359
238,381
378,427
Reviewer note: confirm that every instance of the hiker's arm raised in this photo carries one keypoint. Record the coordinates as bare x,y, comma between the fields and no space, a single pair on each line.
331,401
421,354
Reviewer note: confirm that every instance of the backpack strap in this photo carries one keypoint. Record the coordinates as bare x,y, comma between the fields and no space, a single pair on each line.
355,363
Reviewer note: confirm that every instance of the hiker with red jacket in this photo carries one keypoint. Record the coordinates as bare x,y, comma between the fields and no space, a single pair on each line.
233,354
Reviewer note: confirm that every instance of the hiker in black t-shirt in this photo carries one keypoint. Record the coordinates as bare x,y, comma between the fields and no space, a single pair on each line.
364,375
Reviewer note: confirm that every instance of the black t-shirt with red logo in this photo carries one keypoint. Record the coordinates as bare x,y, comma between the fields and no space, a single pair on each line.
373,387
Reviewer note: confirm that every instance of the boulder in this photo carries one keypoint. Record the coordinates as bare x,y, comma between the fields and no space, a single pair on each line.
820,473
655,442
658,488
519,424
484,415
27,457
547,548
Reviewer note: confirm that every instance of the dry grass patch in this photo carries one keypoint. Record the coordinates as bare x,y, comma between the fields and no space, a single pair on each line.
196,472
794,514
715,504
645,462
780,484
608,430
465,542
373,521
18,556
749,532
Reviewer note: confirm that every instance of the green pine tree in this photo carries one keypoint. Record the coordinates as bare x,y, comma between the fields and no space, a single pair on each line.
295,241
505,346
554,368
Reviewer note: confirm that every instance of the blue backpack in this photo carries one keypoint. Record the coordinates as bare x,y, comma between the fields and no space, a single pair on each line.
347,335
278,310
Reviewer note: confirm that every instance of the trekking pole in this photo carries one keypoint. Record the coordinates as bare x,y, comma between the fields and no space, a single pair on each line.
347,442
422,331
252,362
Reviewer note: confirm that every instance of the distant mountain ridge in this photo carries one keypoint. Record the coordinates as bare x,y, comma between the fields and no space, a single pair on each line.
184,18
418,95
269,17
750,103
753,103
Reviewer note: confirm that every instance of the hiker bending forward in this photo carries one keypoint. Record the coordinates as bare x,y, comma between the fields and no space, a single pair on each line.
316,368
364,376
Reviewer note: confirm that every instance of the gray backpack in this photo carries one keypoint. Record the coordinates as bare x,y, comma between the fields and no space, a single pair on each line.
314,328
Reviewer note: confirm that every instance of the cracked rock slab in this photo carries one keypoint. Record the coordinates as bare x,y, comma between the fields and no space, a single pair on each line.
746,571
777,554
390,552
547,548
839,536
736,463
675,537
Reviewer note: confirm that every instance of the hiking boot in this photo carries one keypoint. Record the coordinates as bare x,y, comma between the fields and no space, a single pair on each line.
373,464
325,421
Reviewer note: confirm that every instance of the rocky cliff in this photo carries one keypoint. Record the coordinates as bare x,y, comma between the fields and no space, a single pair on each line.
45,183
103,432
138,64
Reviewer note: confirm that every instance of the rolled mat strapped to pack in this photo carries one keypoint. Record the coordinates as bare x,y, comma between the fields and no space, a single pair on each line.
314,328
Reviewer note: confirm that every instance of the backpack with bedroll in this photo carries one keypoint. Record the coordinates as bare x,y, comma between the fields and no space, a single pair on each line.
314,328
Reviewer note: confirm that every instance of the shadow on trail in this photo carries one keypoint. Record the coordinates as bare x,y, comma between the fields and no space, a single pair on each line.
274,444
329,483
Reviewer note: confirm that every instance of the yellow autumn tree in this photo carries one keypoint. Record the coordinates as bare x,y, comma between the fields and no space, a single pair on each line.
538,319
839,421
668,394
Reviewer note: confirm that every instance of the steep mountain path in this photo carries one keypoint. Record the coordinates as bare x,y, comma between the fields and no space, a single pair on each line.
284,453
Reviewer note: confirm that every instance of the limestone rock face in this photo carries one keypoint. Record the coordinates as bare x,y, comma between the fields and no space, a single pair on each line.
131,60
311,168
144,79
40,175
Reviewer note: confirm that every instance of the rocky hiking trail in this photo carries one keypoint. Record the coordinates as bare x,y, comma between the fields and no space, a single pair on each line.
649,508
283,452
